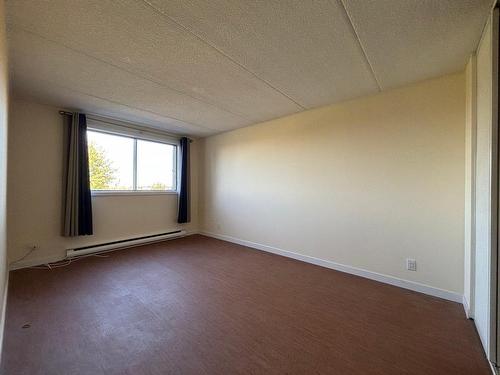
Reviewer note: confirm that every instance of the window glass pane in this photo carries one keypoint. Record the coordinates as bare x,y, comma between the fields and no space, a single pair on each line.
111,161
155,166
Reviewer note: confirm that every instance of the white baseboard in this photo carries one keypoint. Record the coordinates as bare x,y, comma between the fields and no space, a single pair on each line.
406,284
466,304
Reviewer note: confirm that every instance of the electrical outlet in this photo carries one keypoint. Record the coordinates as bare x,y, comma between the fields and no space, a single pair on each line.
411,264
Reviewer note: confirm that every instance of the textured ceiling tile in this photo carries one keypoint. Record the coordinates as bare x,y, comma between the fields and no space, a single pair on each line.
408,41
132,35
57,66
64,98
208,66
304,48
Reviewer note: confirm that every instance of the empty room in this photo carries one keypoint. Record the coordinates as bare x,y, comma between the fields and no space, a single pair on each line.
249,187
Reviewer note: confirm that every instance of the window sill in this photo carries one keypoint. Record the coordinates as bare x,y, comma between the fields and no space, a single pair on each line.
104,193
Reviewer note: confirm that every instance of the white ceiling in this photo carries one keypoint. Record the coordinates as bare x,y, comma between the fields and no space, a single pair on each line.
201,67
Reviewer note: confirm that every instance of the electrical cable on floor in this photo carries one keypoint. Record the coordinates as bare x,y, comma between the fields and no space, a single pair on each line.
24,256
66,262
58,264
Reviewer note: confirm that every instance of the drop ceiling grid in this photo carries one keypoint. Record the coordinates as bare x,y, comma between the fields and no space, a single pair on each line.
71,70
59,95
363,49
12,29
62,97
307,50
217,65
137,74
408,41
224,54
128,34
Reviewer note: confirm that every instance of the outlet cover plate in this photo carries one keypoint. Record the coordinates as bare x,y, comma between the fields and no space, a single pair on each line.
411,264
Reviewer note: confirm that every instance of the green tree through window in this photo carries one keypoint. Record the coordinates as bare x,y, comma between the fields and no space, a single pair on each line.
102,173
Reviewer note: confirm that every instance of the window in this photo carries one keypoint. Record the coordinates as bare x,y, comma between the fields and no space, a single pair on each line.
125,163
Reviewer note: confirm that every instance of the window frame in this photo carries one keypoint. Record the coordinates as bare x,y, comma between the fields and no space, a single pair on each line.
98,126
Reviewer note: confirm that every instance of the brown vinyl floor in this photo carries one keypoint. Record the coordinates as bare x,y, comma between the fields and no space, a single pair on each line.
197,305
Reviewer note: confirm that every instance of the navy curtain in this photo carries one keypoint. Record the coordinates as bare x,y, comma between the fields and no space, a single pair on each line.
184,215
76,185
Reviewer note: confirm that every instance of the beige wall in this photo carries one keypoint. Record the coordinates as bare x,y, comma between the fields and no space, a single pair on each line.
365,183
34,199
3,168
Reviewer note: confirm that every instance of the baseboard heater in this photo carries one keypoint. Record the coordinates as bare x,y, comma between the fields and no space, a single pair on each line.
120,244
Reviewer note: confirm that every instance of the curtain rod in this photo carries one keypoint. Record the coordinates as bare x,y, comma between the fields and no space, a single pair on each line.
71,114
